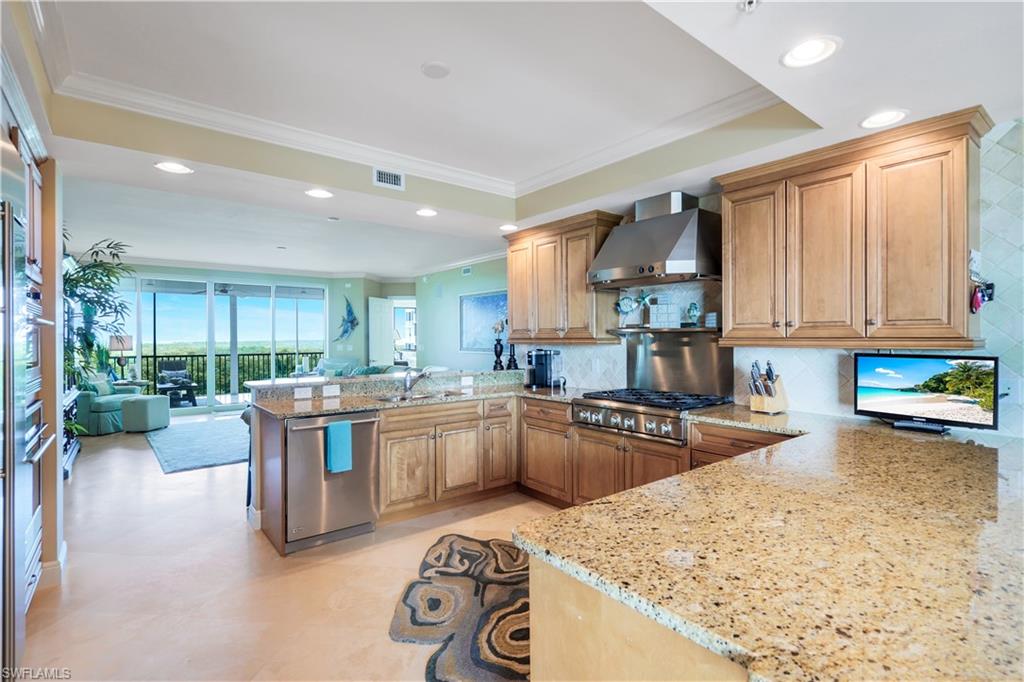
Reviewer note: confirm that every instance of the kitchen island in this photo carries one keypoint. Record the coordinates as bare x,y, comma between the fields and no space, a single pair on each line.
852,551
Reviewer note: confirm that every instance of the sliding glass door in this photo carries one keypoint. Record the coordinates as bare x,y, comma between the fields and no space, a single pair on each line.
200,342
242,339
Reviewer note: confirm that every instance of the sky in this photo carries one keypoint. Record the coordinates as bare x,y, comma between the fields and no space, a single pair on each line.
887,371
182,318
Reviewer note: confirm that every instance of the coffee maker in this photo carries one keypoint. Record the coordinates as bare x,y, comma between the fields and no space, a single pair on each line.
544,368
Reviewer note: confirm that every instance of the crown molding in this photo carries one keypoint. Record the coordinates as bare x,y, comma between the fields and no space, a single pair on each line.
48,31
104,91
15,96
483,258
722,111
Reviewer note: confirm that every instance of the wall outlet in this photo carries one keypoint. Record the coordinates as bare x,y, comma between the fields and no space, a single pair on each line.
331,389
467,382
304,393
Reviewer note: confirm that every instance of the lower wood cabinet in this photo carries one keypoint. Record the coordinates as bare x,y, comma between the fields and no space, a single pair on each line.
599,465
649,461
547,458
459,456
407,472
710,443
499,453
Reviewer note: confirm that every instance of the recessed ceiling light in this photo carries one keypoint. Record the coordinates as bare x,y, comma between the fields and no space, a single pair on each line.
173,167
318,193
435,70
333,218
811,51
509,228
426,212
884,118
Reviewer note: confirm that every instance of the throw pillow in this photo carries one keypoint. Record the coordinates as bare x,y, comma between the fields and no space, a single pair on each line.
365,371
105,387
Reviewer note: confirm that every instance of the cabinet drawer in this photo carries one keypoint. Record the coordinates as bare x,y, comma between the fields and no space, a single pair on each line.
499,407
700,459
429,415
722,440
548,410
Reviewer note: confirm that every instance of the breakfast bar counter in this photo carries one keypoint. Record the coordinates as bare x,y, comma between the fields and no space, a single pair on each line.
851,551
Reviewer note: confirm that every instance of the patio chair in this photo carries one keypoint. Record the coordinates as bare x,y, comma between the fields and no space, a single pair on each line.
175,381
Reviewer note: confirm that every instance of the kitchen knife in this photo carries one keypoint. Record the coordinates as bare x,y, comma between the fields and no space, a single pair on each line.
753,391
770,389
758,388
754,376
769,372
757,368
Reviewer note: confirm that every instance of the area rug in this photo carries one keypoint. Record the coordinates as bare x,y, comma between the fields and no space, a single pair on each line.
186,446
473,599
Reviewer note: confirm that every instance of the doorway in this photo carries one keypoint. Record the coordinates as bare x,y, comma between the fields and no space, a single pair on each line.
392,331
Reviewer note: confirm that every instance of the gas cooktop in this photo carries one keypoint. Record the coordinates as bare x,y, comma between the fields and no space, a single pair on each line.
664,399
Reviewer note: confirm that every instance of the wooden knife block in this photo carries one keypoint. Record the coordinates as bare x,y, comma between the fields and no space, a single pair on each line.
767,404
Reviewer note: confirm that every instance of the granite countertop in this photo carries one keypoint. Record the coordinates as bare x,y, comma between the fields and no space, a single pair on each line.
355,402
853,551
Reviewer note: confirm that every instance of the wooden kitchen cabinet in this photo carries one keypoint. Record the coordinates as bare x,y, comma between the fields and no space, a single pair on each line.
500,461
599,465
825,254
459,456
710,443
547,458
549,297
407,472
918,241
649,461
864,244
754,262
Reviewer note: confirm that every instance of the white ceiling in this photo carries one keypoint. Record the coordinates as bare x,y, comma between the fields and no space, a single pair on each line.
176,228
533,87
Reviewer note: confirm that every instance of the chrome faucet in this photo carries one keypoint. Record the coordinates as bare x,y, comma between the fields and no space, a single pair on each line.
412,378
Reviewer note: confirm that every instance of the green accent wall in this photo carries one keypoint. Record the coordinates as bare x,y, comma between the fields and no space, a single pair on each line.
437,313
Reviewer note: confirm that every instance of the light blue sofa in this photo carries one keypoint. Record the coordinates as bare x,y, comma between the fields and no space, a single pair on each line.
101,414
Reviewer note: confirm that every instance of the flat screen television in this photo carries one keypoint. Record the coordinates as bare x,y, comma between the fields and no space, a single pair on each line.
926,390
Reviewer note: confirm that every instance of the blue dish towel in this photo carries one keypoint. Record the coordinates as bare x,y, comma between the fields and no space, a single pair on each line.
339,446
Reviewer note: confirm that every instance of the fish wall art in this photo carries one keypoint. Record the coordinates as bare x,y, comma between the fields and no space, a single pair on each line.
349,324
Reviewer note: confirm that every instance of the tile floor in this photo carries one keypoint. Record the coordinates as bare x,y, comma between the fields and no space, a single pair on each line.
166,581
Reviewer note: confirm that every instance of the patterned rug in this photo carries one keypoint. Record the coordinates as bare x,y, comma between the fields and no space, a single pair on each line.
473,599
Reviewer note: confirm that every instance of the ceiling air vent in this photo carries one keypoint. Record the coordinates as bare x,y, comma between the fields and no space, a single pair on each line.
389,179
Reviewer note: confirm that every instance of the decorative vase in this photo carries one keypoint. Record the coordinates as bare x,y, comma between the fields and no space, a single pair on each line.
512,362
498,350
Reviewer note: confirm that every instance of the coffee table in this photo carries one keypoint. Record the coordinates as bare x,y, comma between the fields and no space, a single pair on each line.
188,390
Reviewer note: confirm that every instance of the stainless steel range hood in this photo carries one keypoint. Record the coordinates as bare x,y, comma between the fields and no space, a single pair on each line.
671,241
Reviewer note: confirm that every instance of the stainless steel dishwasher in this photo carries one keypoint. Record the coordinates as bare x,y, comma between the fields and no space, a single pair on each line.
320,506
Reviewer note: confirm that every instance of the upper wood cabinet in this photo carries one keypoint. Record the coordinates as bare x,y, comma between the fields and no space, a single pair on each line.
548,295
754,256
864,244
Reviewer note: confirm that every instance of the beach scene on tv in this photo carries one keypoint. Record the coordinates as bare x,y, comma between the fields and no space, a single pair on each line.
952,389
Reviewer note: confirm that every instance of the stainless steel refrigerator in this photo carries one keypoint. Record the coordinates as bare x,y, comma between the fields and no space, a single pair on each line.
20,506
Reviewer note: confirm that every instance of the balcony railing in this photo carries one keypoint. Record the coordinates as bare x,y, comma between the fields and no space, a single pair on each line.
251,367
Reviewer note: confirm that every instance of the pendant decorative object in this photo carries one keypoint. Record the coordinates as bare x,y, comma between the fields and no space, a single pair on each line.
512,362
498,350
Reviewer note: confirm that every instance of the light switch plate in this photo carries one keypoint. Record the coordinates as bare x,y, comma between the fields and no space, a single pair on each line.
304,393
467,381
331,389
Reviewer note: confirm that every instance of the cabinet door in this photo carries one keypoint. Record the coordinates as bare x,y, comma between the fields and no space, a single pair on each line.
406,468
649,461
548,285
754,262
521,294
577,255
599,465
825,254
499,453
699,458
917,236
459,459
547,458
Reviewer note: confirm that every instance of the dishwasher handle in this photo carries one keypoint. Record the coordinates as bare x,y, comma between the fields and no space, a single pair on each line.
319,427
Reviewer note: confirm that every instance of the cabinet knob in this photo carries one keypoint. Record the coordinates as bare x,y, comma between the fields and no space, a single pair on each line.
487,428
567,435
789,323
871,322
776,324
431,436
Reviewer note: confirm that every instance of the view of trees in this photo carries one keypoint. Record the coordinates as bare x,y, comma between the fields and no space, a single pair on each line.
971,379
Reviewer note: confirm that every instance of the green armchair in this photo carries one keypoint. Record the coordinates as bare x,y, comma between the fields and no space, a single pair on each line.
101,414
